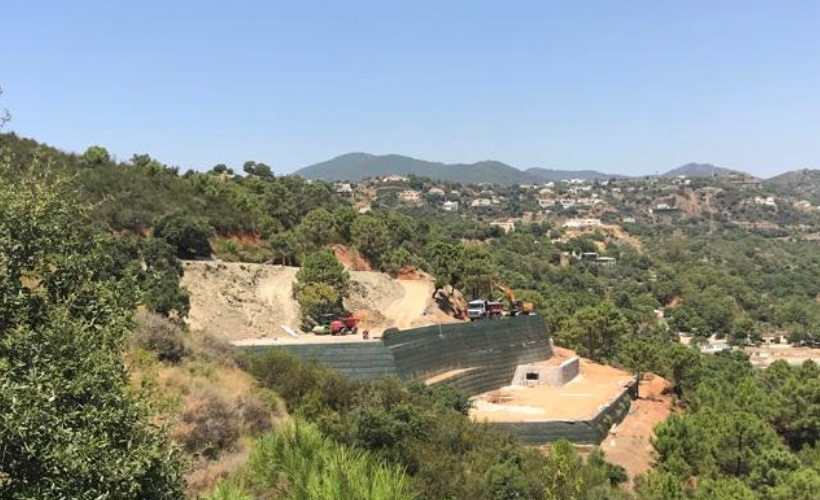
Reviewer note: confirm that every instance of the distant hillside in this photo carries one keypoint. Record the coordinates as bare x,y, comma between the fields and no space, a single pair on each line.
549,175
357,166
803,184
701,170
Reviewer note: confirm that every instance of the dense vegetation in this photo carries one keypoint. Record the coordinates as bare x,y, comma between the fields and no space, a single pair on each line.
424,432
71,425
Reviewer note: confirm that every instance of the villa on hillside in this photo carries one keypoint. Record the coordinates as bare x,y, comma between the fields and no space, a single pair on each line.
450,206
410,196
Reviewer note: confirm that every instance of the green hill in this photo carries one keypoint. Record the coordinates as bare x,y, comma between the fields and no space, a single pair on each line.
357,166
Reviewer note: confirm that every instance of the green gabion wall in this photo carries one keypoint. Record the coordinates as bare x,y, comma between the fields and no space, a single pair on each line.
490,351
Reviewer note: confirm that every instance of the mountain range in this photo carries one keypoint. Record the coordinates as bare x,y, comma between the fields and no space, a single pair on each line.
357,166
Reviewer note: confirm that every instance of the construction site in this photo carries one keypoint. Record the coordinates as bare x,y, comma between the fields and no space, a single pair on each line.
517,379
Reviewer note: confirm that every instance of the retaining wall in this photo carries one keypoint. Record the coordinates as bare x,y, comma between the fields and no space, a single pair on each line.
485,355
357,360
591,431
488,351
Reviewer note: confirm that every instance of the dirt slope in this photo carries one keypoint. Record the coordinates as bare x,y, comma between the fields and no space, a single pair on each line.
630,446
234,301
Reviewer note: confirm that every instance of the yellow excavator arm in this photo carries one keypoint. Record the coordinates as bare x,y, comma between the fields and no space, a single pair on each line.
516,306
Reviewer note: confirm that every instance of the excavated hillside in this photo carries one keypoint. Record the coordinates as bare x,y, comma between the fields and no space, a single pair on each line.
235,301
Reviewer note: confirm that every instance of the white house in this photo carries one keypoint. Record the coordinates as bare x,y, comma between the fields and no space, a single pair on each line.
581,223
395,178
435,191
481,202
450,206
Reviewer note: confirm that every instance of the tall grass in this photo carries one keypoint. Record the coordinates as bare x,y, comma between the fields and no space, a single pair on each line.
297,462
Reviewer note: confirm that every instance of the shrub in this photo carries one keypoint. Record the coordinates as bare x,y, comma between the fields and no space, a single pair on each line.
300,463
209,425
186,233
160,336
255,413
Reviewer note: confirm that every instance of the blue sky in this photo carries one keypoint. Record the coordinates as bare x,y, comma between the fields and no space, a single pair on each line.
632,86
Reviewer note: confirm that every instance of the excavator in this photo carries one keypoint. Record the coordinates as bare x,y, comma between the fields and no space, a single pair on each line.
516,307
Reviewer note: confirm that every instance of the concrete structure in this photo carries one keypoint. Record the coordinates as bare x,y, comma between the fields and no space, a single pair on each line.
546,373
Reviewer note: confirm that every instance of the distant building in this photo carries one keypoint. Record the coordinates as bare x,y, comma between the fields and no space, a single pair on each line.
713,348
592,256
605,261
665,207
395,178
450,206
507,226
435,191
344,188
767,201
410,196
581,223
481,202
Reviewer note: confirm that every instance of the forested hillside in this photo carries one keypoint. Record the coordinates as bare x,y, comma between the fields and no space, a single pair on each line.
87,240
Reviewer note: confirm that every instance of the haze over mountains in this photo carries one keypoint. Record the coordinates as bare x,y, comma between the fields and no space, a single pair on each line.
357,166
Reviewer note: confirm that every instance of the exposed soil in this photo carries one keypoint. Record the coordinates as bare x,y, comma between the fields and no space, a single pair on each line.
582,398
235,301
629,446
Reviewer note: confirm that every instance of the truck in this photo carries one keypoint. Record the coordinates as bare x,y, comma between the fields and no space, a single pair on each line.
516,307
484,309
336,325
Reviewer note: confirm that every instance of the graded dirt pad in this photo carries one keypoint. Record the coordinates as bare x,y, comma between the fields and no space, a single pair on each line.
581,399
629,446
763,356
235,301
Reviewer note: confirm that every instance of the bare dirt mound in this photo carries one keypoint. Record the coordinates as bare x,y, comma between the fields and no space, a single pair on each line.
235,301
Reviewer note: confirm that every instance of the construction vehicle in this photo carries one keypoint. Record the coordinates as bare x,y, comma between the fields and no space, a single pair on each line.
336,325
516,307
484,309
